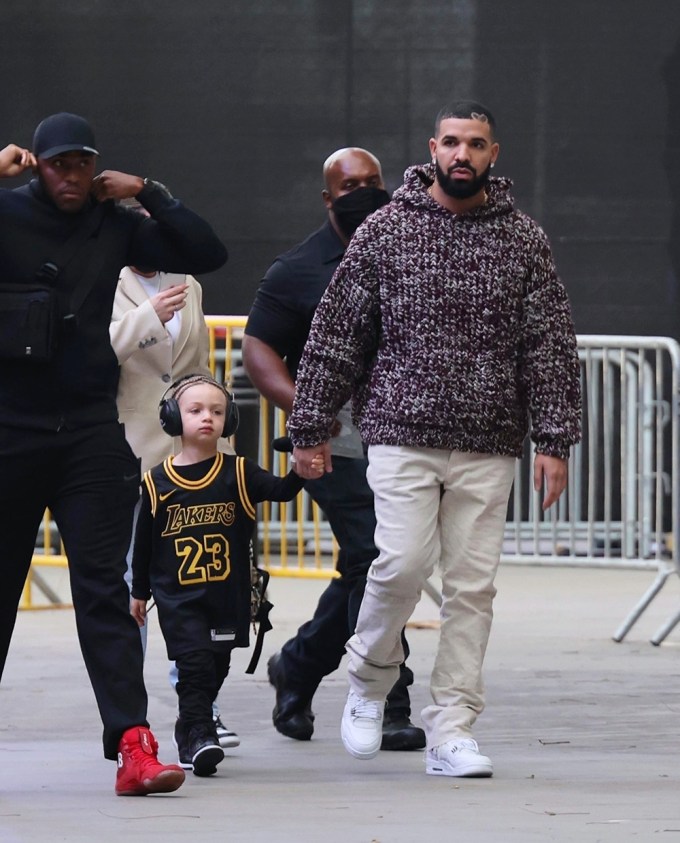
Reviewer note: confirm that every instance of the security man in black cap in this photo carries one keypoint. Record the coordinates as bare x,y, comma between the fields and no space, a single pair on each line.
63,240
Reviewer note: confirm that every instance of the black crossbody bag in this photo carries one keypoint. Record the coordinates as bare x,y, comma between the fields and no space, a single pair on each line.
31,317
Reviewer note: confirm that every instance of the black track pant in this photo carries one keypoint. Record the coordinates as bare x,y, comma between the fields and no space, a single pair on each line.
89,478
200,675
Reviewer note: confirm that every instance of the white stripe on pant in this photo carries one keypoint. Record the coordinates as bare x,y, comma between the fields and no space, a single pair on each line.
433,505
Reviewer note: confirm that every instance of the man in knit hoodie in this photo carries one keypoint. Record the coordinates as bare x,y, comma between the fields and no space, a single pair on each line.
447,324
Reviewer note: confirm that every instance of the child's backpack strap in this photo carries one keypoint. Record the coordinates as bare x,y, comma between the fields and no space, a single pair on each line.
260,608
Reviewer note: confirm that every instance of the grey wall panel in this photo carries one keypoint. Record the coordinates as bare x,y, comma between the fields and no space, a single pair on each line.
236,104
602,123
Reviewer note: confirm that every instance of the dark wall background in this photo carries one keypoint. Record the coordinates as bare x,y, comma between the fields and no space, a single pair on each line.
235,105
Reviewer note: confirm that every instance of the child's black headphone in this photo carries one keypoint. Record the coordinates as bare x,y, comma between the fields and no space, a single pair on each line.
171,417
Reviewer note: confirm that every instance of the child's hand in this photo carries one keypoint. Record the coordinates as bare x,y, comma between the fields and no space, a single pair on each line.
318,464
312,463
138,610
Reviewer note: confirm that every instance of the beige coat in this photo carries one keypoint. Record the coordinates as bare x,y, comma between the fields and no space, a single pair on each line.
150,362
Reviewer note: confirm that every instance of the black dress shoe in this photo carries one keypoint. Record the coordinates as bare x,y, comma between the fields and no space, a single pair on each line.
292,715
399,734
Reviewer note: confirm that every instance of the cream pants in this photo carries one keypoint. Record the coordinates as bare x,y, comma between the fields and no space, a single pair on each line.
432,506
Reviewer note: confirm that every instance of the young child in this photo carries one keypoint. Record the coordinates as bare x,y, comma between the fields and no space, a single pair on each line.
192,554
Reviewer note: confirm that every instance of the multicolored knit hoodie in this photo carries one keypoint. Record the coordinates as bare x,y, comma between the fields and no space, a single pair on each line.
449,331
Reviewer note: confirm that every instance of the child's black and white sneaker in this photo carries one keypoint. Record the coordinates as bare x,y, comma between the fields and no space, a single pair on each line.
225,736
198,748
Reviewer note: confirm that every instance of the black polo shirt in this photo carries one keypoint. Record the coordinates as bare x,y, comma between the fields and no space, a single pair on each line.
290,291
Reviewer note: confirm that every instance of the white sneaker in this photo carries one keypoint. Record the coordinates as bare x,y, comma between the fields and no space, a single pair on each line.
457,758
226,737
361,728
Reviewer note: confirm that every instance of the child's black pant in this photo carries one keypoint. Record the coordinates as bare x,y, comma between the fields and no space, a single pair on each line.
200,677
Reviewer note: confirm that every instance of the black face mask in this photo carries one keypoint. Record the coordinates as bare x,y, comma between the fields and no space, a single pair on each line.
352,209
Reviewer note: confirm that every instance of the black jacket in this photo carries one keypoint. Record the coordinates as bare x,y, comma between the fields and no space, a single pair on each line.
289,293
78,386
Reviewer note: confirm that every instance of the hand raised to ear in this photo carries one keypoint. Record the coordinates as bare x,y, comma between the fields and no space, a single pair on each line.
111,184
14,160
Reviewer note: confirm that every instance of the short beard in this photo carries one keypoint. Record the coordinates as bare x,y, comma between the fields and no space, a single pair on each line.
461,189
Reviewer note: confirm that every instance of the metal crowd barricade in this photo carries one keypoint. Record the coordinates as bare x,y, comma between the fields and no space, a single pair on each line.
620,508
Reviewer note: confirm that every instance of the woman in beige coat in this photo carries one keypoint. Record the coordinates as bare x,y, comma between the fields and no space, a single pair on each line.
159,335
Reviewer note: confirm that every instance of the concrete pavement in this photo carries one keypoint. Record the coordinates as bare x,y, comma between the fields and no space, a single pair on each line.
583,733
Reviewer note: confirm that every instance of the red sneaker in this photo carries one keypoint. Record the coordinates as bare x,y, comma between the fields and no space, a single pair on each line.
139,770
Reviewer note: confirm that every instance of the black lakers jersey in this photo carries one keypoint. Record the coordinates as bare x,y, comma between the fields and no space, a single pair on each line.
191,547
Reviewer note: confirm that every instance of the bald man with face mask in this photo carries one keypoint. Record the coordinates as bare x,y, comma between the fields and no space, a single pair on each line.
275,335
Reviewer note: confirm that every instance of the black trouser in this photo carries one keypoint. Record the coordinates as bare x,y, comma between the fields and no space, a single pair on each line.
200,675
89,479
319,645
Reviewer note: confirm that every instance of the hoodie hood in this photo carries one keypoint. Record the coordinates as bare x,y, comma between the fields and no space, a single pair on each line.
419,178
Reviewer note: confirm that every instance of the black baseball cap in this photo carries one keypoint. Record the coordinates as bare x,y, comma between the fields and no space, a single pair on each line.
63,132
